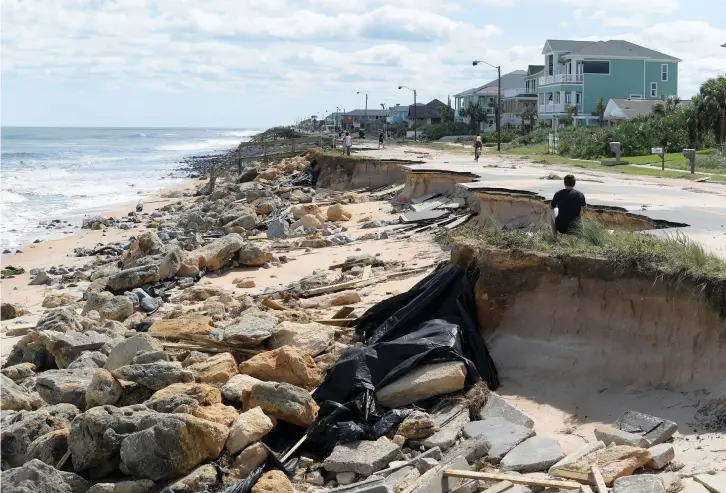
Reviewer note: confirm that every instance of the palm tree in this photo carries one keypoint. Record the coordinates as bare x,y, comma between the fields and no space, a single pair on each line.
571,110
600,110
476,113
701,116
529,112
714,92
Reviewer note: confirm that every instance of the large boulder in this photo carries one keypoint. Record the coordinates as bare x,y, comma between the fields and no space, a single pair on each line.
311,338
191,324
301,210
238,387
170,398
106,270
118,308
285,402
252,255
89,359
249,427
65,386
216,413
96,436
199,480
96,300
124,352
59,320
16,398
533,455
66,347
146,244
104,389
38,477
252,328
22,428
135,277
273,482
18,372
286,364
169,445
336,212
362,457
423,382
154,376
49,448
216,370
219,252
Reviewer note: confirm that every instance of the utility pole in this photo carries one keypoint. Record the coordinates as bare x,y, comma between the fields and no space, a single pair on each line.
414,111
499,100
365,112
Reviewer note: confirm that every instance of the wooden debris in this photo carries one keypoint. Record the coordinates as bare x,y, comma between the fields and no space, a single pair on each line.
599,480
459,221
499,487
336,322
713,483
585,488
270,303
359,283
544,483
88,347
343,312
366,273
63,460
17,331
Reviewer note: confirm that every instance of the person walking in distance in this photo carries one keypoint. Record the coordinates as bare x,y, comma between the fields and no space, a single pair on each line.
380,141
477,147
348,143
567,206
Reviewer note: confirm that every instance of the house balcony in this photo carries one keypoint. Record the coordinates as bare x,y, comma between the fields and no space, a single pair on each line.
557,108
561,79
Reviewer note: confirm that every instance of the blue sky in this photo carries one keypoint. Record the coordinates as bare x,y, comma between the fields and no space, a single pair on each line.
257,63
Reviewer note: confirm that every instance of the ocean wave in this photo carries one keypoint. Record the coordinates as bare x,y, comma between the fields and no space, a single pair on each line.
241,133
206,145
8,197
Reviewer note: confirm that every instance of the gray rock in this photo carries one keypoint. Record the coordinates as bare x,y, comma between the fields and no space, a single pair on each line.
284,401
655,430
533,455
18,372
417,425
65,386
40,279
49,448
471,449
278,228
607,434
362,457
148,305
89,359
661,455
37,477
405,475
143,357
237,386
14,397
64,347
450,421
496,407
96,435
581,452
642,483
22,428
156,375
423,382
118,308
219,252
501,434
96,300
106,270
253,327
60,320
199,480
434,480
124,352
135,277
139,486
104,389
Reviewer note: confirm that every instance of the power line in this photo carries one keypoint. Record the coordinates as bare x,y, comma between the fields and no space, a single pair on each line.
707,56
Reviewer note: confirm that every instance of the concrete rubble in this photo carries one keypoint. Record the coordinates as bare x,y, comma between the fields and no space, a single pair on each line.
161,381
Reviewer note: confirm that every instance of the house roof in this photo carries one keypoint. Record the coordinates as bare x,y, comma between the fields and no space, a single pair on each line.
370,112
428,110
632,108
511,80
612,47
534,69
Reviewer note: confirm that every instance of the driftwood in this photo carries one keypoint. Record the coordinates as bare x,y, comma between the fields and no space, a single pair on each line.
186,341
543,483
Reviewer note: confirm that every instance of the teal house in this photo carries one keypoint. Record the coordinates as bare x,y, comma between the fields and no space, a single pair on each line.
579,73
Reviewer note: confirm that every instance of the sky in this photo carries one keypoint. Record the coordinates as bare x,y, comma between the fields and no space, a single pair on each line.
259,63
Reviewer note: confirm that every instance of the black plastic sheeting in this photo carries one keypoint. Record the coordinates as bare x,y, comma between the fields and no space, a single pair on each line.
309,176
434,321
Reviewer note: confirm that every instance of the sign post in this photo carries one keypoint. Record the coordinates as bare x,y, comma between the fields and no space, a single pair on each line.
659,151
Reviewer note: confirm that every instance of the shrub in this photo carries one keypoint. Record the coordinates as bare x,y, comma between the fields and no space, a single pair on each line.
439,130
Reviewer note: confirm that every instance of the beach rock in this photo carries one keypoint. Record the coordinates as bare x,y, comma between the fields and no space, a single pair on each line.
471,449
194,357
502,435
37,477
40,279
16,398
66,347
286,364
361,457
533,455
192,324
273,482
216,413
146,244
17,373
219,252
216,370
201,292
124,352
278,228
614,461
329,357
285,402
107,270
301,210
423,382
95,301
168,445
154,376
135,277
399,479
58,300
65,386
198,480
336,212
118,308
308,221
607,434
49,448
189,266
252,328
584,450
345,478
450,420
143,357
60,320
170,398
238,387
418,424
104,389
9,311
248,460
22,428
140,486
661,455
297,196
643,483
249,427
245,283
253,256
311,338
655,430
496,407
264,206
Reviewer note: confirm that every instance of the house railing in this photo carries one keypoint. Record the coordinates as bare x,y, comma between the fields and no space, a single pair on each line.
557,108
553,144
561,78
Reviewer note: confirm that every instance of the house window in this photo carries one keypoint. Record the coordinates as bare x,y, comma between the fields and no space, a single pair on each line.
550,64
568,98
596,67
557,97
653,89
636,96
664,72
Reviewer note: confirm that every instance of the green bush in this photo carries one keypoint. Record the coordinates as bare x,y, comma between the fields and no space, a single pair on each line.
439,130
491,137
537,136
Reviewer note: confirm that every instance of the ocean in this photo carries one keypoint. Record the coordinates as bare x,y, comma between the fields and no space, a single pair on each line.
71,173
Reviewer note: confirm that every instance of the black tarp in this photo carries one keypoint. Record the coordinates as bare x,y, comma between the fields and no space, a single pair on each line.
309,176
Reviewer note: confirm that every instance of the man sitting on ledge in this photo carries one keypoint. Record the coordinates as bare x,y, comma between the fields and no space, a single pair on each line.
567,205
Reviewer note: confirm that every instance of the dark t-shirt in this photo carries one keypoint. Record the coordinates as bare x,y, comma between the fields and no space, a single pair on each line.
569,203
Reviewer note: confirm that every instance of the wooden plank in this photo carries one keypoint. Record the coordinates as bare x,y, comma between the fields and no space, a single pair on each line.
585,488
63,460
366,272
599,480
336,322
343,312
544,483
270,303
342,286
499,487
88,347
714,483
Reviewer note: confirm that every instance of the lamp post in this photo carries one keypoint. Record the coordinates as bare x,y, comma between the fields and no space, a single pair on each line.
499,100
385,121
414,109
365,112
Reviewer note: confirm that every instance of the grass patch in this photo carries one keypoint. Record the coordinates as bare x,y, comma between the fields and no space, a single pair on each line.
339,155
629,251
623,169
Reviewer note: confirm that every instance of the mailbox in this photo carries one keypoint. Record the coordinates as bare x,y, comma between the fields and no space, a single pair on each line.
690,154
615,147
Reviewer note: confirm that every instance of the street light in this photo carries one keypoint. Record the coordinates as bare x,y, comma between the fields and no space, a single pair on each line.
414,109
499,100
365,113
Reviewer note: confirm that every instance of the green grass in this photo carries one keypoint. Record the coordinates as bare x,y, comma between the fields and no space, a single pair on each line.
629,251
623,169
